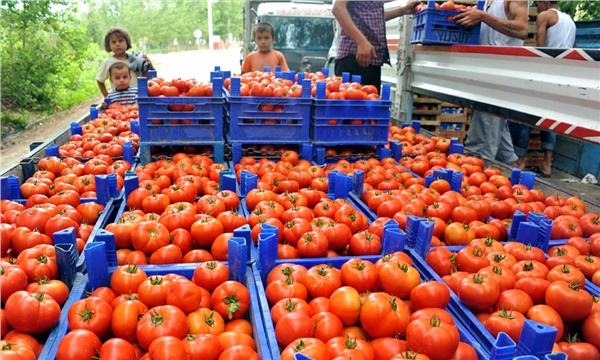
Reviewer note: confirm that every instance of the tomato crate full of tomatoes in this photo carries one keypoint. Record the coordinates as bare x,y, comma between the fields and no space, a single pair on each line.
33,290
259,114
434,24
345,113
170,115
201,311
325,308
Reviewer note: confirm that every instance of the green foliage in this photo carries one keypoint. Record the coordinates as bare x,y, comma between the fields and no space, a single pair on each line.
162,22
13,121
581,10
46,55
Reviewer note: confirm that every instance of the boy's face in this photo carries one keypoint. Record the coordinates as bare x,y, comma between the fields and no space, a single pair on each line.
120,78
263,40
118,44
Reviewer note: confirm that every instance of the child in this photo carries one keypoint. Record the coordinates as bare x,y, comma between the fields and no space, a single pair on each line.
117,41
120,78
264,35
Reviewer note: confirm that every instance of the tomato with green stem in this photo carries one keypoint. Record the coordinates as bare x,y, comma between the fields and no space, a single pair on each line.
166,320
383,315
478,291
432,337
231,300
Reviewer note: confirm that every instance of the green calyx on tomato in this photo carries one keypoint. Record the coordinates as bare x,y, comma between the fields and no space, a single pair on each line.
477,251
132,269
300,346
86,315
499,257
42,259
478,278
234,303
156,280
290,305
435,321
209,319
489,241
497,269
575,286
528,266
505,314
565,269
589,258
156,318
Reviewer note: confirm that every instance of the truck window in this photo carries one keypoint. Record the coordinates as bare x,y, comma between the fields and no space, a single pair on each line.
313,34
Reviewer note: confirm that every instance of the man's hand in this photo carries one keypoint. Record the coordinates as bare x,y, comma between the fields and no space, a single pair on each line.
411,6
104,105
470,17
364,52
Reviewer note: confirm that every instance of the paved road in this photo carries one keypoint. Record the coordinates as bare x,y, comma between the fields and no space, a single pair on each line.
196,64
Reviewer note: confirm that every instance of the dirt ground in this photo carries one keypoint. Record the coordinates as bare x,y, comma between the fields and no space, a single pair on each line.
12,150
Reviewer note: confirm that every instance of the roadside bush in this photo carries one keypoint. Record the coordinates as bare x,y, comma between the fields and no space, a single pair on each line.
48,60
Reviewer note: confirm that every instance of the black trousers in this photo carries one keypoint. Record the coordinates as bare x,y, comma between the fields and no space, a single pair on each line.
370,75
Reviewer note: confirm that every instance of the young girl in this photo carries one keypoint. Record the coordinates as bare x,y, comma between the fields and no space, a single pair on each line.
117,41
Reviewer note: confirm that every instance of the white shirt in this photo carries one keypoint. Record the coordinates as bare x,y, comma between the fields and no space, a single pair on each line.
561,34
489,36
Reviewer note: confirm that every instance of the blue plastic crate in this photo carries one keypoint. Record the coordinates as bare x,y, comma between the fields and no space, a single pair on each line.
435,26
66,257
261,271
249,124
100,276
331,120
204,123
536,338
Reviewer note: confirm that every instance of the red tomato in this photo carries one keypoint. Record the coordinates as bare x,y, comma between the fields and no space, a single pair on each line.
345,303
117,349
205,346
569,300
293,326
15,350
92,314
231,300
511,322
431,294
127,279
432,337
160,321
545,314
31,313
382,315
311,347
478,292
320,280
78,344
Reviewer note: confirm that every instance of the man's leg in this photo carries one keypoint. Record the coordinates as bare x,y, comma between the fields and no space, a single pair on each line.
520,140
506,151
548,141
483,136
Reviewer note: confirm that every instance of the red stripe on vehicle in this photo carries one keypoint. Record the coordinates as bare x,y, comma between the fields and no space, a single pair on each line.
545,123
494,50
561,127
581,132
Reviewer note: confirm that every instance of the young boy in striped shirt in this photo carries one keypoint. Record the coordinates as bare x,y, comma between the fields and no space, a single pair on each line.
120,77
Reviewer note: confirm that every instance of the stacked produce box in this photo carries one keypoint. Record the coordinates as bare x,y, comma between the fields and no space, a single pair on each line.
281,255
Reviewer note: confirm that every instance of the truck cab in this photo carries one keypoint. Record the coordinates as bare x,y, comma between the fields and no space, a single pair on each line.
303,31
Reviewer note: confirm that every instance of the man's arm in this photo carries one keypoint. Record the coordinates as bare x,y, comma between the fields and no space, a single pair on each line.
515,26
542,26
364,50
403,10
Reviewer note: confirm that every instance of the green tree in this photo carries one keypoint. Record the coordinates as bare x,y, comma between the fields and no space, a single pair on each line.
46,55
581,10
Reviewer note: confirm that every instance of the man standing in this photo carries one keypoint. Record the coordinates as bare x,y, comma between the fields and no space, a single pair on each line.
555,29
503,23
362,49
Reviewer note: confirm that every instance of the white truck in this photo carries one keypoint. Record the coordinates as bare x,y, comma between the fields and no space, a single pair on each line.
304,30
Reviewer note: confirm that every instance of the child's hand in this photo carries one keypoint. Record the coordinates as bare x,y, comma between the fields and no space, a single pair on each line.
150,66
104,105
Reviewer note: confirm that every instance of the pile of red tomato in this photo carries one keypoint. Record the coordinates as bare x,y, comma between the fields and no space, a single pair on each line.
362,310
447,5
104,135
162,317
506,284
178,87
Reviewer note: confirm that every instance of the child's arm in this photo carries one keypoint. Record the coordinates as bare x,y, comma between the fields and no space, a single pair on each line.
102,87
150,66
283,64
247,64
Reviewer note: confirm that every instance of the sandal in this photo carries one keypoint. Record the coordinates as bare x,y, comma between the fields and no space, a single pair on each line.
543,174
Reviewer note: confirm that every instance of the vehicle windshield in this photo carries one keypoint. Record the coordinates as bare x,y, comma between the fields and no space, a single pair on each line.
313,34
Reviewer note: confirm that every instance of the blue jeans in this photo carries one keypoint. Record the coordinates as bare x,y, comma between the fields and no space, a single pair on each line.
520,137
